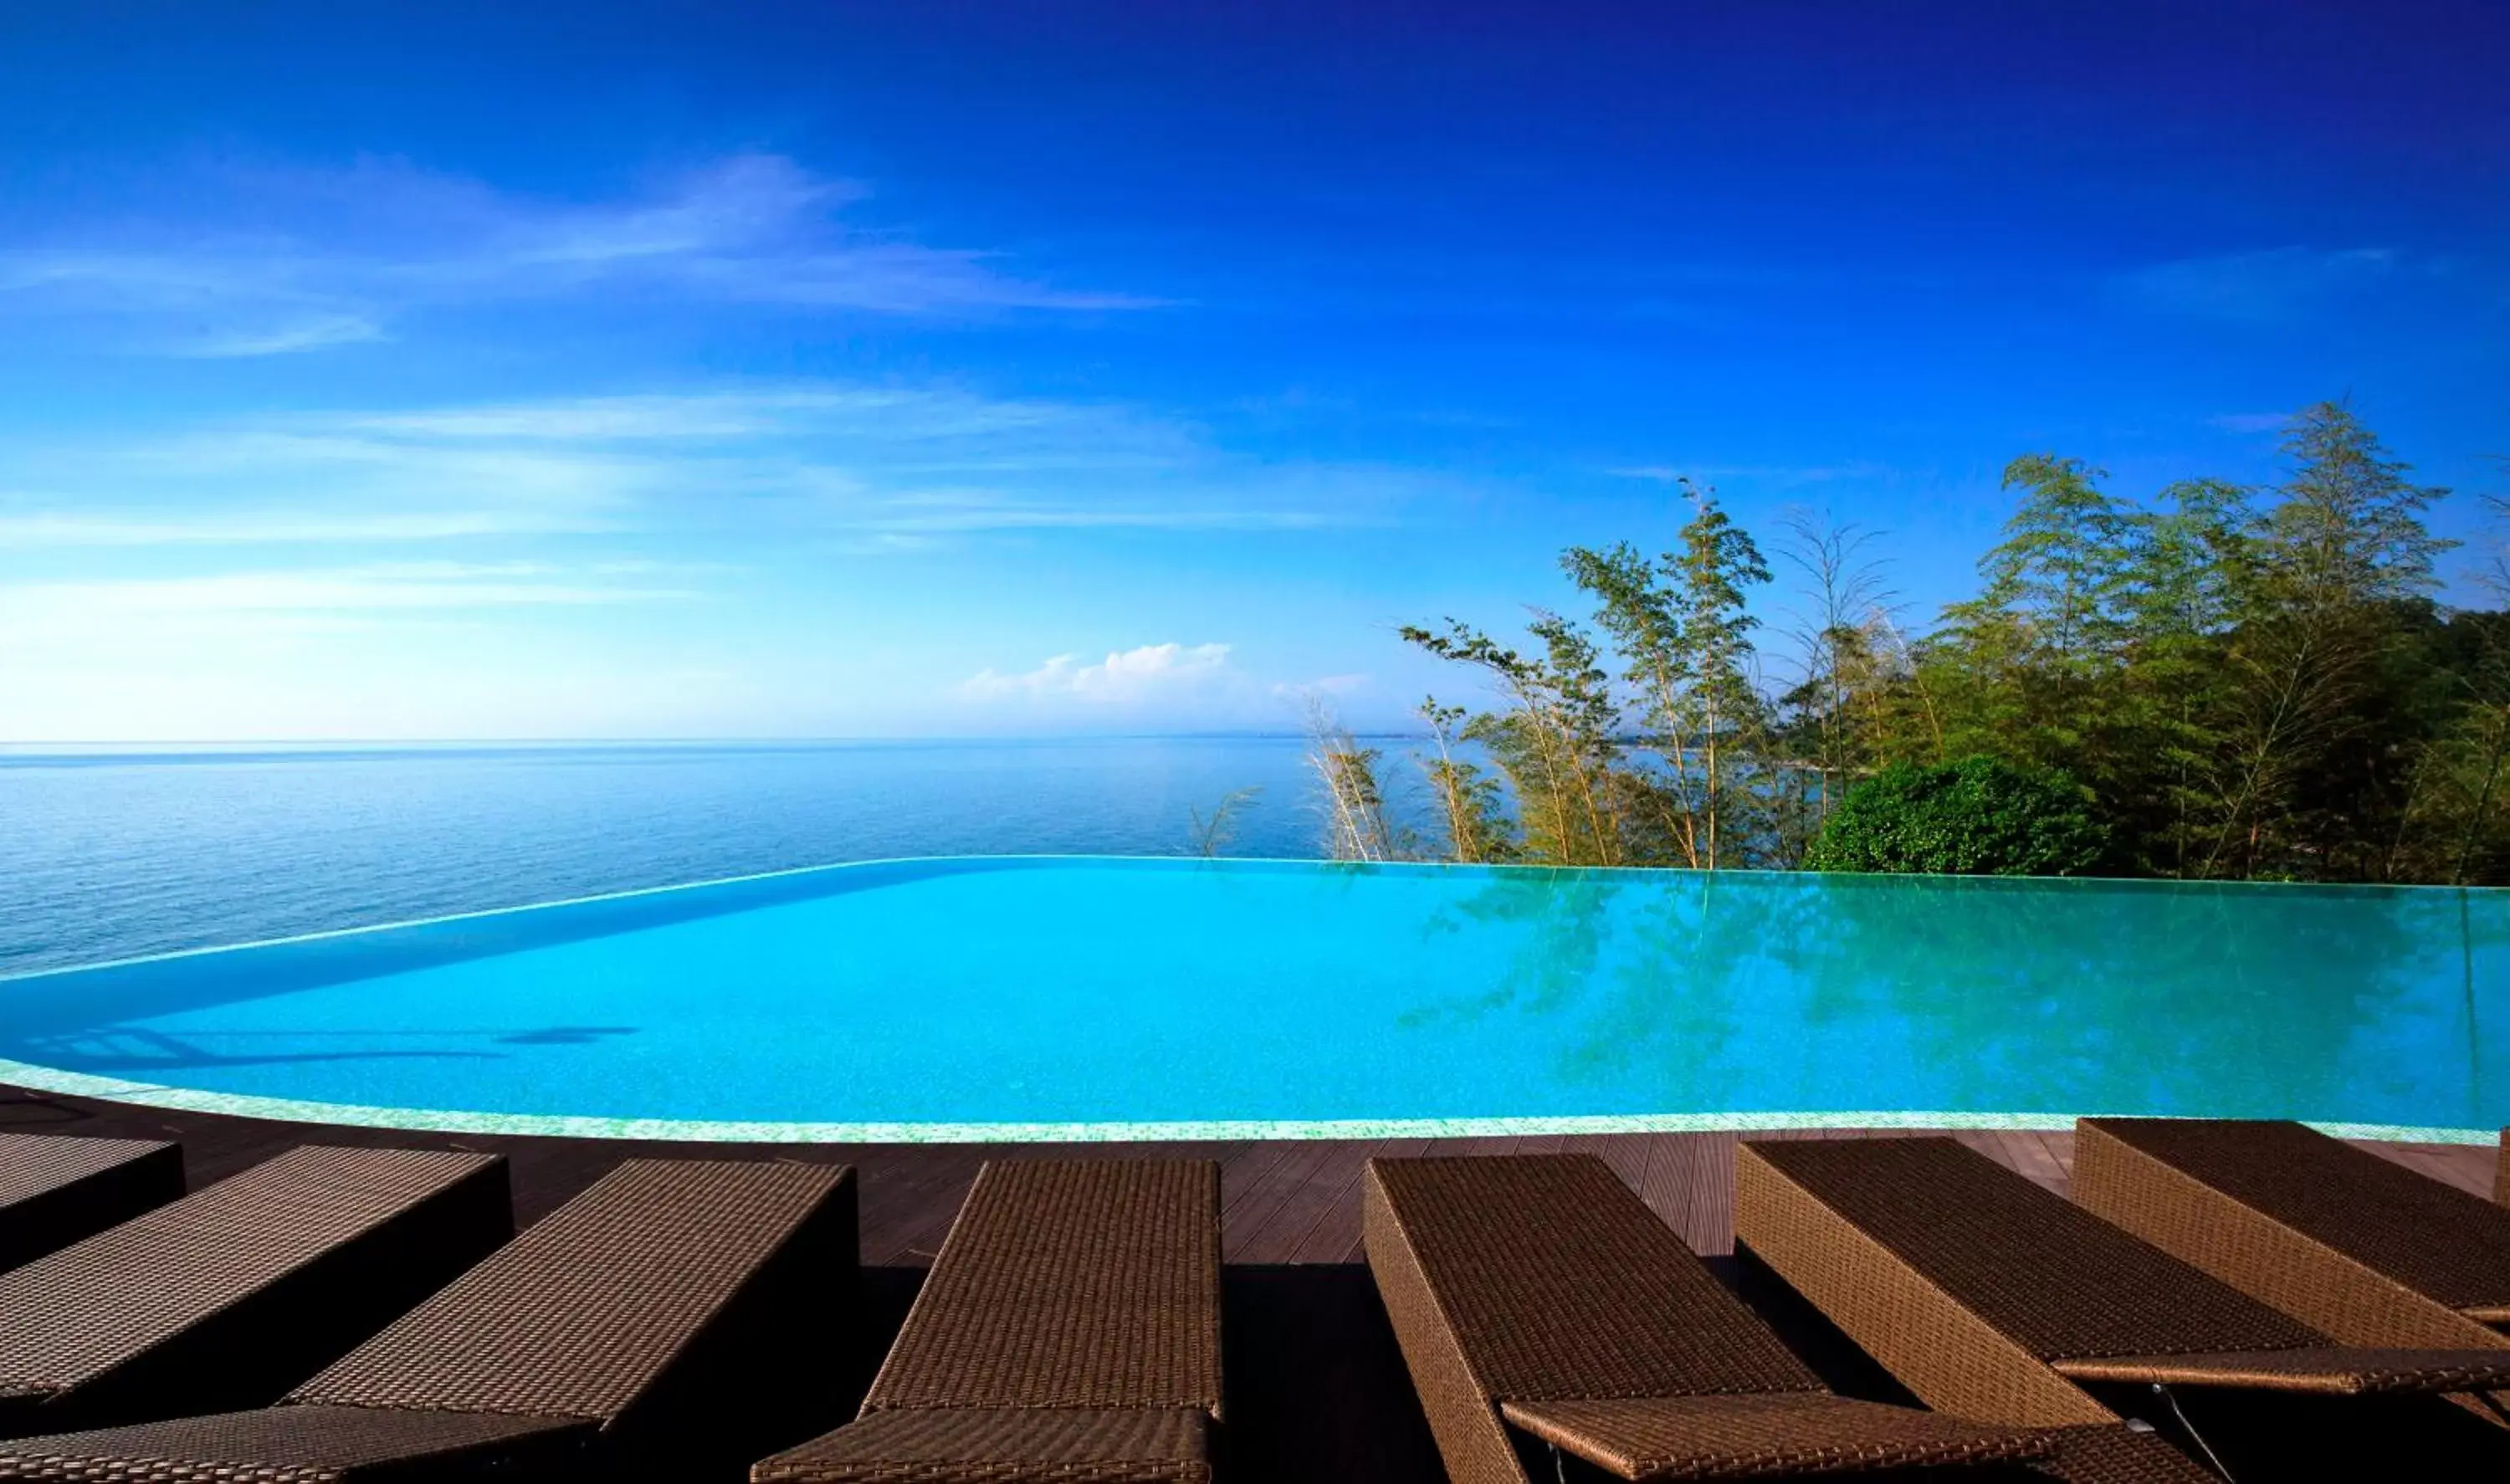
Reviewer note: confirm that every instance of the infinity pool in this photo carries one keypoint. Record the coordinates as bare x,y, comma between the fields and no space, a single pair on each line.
1064,998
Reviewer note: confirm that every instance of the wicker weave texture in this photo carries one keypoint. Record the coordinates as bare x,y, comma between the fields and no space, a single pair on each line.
35,1164
2353,1246
2347,1371
281,1445
1558,1282
2059,1281
1016,1446
1082,1284
1462,1416
582,1313
1774,1436
1953,1359
2439,1241
58,1191
95,1305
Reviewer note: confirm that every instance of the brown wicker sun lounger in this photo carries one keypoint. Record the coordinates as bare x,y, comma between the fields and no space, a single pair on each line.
658,1317
1990,1297
1070,1329
227,1297
56,1190
2355,1246
1537,1300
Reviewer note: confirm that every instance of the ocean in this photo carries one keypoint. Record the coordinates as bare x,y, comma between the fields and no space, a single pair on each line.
110,854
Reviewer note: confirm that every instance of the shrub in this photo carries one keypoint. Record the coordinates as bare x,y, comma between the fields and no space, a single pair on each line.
1975,818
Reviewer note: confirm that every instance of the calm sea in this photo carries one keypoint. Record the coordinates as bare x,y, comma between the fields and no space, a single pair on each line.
108,855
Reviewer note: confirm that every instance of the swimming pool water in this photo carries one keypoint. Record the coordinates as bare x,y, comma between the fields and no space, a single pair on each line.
952,998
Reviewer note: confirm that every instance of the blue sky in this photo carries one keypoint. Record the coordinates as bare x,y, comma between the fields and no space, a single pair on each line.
465,371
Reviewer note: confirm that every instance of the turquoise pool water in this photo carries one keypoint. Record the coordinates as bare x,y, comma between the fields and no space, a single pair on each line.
1047,996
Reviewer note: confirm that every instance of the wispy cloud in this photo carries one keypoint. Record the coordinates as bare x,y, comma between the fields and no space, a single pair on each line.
2262,286
138,616
390,585
868,470
294,261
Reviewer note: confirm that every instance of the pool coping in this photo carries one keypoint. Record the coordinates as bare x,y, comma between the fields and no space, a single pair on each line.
1175,1131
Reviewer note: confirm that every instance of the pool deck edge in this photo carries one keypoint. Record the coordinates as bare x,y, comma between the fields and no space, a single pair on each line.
721,1132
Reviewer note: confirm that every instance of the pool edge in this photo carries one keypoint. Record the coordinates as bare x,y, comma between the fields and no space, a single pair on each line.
1181,1130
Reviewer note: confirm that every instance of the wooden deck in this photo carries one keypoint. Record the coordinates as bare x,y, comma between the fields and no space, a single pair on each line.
1317,1392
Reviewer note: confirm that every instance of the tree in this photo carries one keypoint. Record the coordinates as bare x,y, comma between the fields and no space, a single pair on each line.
1684,637
2189,562
1553,739
1469,808
2024,661
1975,818
2244,683
1836,716
1354,804
2335,568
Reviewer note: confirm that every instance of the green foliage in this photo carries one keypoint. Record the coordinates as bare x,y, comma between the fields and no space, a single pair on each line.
1355,828
1553,738
2252,683
1470,809
1975,818
1214,833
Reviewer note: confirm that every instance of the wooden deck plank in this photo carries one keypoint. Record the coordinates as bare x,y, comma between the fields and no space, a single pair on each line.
1335,1238
1333,1184
2026,1153
1661,1181
1705,1172
1252,1233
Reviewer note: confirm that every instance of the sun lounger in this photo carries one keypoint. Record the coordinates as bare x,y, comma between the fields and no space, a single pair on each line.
1538,1302
664,1316
229,1296
2355,1246
1990,1297
2502,1171
56,1190
1070,1329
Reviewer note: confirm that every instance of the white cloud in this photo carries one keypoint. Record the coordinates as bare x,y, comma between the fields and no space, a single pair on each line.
294,261
1125,678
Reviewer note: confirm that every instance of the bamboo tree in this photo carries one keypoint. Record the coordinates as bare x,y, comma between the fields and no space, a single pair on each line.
2027,656
2335,559
1637,611
1835,714
1469,808
2189,561
1354,802
1686,639
1716,560
1553,738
